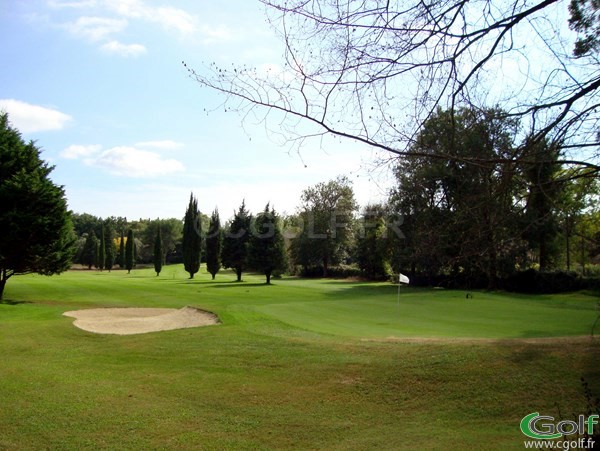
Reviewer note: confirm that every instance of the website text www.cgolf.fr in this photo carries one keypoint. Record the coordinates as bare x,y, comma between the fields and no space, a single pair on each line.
545,432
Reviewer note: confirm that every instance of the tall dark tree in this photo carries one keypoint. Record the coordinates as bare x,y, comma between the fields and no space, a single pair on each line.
461,218
235,242
159,253
192,238
122,250
267,248
110,249
102,250
214,240
88,255
374,248
37,232
130,252
542,208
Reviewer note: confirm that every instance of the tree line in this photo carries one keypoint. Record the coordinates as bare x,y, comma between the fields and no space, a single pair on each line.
473,224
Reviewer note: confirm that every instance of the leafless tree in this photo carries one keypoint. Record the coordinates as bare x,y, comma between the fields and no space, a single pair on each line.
375,70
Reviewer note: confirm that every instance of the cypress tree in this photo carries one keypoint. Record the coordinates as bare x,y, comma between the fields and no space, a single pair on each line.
35,223
267,248
110,249
235,242
122,251
102,250
88,256
159,254
192,240
213,244
129,252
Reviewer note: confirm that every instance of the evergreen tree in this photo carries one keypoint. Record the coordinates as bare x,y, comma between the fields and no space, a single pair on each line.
213,244
37,232
267,248
235,242
122,250
192,239
159,255
129,252
110,249
102,250
88,255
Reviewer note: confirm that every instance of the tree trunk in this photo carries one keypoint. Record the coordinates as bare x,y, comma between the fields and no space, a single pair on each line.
238,271
213,276
325,267
568,235
191,275
2,285
268,278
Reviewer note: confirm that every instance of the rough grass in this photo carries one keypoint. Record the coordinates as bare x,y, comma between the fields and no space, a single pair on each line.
302,364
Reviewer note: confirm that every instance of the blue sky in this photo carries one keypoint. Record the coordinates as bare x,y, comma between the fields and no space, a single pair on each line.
99,85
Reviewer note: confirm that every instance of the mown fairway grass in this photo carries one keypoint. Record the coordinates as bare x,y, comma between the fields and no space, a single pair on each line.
303,364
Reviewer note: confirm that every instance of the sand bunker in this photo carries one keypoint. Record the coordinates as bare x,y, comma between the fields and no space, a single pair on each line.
128,321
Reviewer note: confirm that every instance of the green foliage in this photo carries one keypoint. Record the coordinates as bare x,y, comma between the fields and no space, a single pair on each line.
130,251
458,217
122,250
267,248
543,202
214,241
374,247
37,232
192,238
159,253
235,242
327,214
585,20
102,250
88,255
541,282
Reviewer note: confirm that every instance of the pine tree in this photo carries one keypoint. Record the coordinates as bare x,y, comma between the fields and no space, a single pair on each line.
213,244
110,249
122,250
88,255
192,240
102,250
37,231
267,248
129,252
235,242
159,255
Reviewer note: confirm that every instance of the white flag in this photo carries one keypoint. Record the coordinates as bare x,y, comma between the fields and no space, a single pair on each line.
403,279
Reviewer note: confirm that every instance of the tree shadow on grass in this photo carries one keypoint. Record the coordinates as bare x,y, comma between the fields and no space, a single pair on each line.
11,302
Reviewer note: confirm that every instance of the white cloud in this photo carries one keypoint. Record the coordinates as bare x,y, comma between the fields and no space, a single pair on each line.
116,48
166,144
216,33
132,162
29,118
77,151
167,16
96,28
72,4
123,160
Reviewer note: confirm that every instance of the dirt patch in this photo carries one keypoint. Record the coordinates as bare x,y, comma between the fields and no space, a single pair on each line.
129,321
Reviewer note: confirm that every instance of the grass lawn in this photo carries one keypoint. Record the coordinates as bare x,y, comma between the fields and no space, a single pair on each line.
301,364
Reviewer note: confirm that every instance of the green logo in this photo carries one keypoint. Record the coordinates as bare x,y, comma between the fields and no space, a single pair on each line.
542,427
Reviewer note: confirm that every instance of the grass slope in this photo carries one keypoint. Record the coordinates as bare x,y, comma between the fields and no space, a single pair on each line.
302,364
